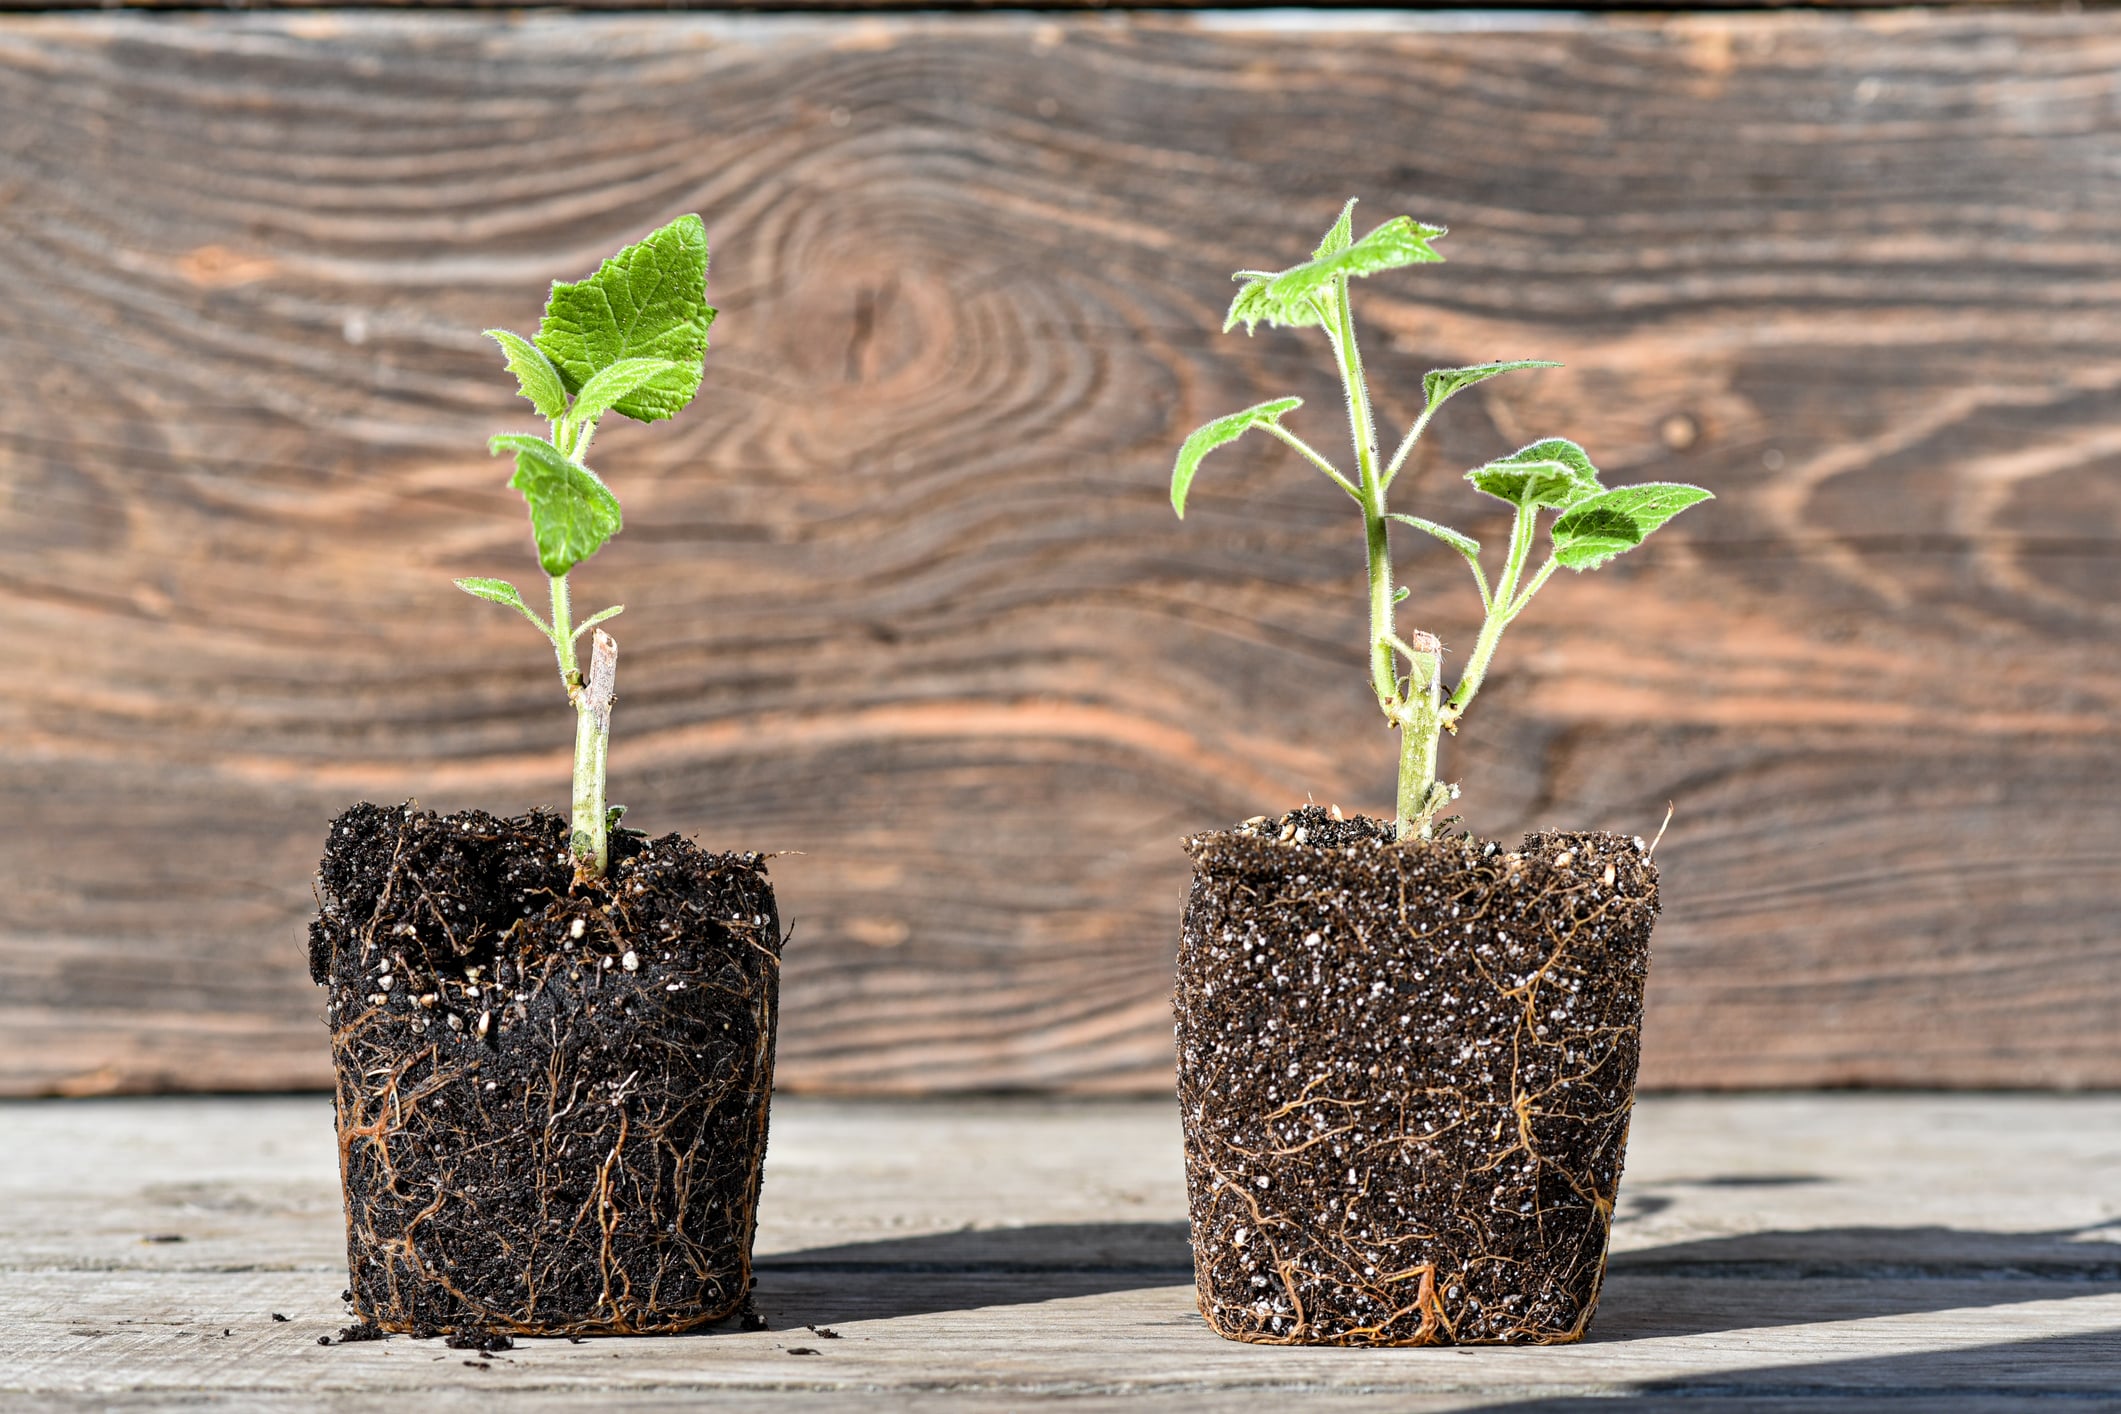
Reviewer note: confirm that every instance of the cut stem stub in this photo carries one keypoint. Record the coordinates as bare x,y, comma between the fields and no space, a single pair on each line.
592,743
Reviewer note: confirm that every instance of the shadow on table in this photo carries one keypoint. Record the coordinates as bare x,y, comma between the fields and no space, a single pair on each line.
2076,1371
1841,1274
969,1269
1700,1287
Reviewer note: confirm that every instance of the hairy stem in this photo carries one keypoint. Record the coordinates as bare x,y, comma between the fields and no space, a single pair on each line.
1384,669
563,634
592,744
1418,710
1506,605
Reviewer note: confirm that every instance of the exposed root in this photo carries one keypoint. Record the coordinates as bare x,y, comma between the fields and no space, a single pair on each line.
1405,1072
552,1103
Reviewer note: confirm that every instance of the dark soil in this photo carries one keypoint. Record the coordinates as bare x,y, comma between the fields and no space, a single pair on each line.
1405,1074
552,1100
479,1340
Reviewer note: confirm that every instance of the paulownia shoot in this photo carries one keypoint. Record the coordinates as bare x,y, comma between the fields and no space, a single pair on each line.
1591,523
630,339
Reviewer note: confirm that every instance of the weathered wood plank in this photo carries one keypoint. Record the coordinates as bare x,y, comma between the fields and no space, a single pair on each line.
1357,13
904,593
1800,1252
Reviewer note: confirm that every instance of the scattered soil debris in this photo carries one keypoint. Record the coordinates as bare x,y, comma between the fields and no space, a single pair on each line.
163,1237
479,1340
826,1332
278,1317
802,1350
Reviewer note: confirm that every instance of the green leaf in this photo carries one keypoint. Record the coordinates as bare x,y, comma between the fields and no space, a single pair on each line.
611,386
1342,235
1287,299
500,591
572,513
648,301
536,378
1464,544
1439,384
1215,434
1554,472
1595,530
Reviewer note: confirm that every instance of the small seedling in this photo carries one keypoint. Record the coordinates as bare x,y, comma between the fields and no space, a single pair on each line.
630,339
1591,525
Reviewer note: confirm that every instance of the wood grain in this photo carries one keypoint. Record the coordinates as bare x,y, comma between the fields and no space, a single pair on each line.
854,7
1781,1253
905,597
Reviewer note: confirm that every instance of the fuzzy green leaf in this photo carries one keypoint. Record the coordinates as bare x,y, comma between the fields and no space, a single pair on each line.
1215,434
1287,299
611,386
1341,236
572,512
500,591
536,378
1553,472
1439,384
1595,530
648,301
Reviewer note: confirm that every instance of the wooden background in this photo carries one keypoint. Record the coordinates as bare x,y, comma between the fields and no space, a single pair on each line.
905,593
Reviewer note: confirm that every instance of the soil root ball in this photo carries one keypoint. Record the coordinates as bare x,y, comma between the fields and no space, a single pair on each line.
1405,1073
534,1139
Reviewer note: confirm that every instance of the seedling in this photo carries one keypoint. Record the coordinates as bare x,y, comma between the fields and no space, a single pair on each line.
1592,524
630,339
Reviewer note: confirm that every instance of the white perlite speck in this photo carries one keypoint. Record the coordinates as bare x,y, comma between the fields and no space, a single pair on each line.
631,962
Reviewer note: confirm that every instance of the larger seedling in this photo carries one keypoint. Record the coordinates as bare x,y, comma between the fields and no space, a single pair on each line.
1591,523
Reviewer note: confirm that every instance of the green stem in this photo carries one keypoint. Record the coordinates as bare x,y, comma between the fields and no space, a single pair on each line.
1384,669
1314,458
563,633
1406,445
1506,605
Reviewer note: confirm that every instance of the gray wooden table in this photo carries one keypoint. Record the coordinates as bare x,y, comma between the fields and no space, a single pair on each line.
1958,1253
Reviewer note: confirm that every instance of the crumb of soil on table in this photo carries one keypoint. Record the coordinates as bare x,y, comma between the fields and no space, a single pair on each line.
479,1340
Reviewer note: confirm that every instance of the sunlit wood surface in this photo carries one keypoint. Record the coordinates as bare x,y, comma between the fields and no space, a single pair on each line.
904,593
1780,1253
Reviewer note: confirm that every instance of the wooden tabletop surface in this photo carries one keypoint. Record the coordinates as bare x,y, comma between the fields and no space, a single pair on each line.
1783,1252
